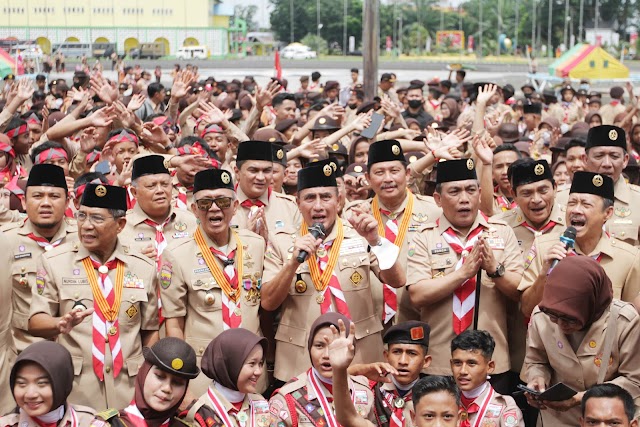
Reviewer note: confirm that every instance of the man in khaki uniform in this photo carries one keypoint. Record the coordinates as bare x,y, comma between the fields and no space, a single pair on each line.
261,210
442,269
609,111
334,277
101,278
588,209
606,154
211,281
7,347
400,214
44,228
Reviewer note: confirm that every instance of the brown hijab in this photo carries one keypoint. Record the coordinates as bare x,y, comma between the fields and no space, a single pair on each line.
578,287
452,120
56,362
324,321
151,416
223,359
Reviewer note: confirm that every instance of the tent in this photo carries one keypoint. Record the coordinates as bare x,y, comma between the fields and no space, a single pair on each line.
585,61
7,63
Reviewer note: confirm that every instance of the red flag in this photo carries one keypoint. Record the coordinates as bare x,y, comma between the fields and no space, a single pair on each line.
278,66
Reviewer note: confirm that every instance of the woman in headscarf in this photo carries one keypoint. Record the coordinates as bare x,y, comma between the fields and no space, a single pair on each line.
450,113
580,336
308,398
161,385
41,380
234,360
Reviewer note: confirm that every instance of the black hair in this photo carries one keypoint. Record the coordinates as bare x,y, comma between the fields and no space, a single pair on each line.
462,73
609,391
88,177
44,147
154,88
575,142
15,123
507,147
315,76
192,139
281,97
474,340
316,107
434,384
355,70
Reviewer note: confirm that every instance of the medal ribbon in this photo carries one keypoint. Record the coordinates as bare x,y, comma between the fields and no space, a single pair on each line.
107,301
219,408
233,294
321,280
464,295
394,233
329,415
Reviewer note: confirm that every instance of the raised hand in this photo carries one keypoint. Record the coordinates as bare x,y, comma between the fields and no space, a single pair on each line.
341,346
485,93
72,319
136,102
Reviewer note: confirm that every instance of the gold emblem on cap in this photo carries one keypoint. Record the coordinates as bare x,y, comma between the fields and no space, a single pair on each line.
539,169
413,159
328,170
395,150
322,120
597,180
333,166
335,147
279,154
177,363
101,191
470,164
272,139
613,134
357,168
225,178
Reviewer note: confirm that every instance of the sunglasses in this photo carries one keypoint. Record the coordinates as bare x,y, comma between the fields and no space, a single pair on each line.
221,203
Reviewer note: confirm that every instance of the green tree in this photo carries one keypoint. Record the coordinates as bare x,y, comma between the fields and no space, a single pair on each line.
248,14
320,45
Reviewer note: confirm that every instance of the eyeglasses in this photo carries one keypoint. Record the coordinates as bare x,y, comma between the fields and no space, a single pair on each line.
221,203
555,318
93,219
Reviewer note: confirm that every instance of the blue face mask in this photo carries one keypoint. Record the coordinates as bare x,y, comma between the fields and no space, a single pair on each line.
585,86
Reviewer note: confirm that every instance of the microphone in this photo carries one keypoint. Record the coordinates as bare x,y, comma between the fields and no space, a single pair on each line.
316,230
569,240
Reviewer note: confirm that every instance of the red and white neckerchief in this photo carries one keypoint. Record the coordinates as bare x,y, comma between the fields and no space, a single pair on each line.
131,200
397,414
69,211
231,312
104,331
329,415
482,410
542,231
136,417
503,202
464,296
217,406
44,243
334,287
389,293
160,244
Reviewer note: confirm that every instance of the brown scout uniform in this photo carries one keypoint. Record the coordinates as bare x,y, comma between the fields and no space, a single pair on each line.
431,256
625,223
86,418
299,397
609,111
254,406
501,411
383,408
178,190
619,260
517,323
20,271
189,290
61,282
7,348
550,355
280,211
424,210
300,309
139,235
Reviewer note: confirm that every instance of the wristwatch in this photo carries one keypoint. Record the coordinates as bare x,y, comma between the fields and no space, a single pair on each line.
498,273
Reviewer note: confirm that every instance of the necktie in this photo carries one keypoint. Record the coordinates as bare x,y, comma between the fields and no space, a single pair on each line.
334,285
464,295
231,314
389,293
102,332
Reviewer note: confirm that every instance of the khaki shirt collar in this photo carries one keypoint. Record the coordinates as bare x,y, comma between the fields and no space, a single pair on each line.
264,198
604,246
28,228
228,406
444,224
556,216
138,216
622,191
118,253
231,245
402,207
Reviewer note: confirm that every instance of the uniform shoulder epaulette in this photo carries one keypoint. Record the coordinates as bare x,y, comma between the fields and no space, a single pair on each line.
627,310
292,386
360,379
424,198
353,203
127,250
428,226
245,233
498,221
619,244
65,247
505,216
71,222
108,414
129,212
285,197
11,419
11,226
84,409
635,188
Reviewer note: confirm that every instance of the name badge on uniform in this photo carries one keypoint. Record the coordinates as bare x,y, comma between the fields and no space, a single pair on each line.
440,251
353,246
496,243
74,281
201,270
181,235
22,255
413,228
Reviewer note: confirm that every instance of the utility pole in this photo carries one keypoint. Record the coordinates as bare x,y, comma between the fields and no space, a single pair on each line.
344,30
533,28
581,28
549,48
371,45
516,25
566,24
480,28
292,21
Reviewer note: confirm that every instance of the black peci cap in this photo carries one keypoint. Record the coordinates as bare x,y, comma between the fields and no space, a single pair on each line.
592,183
212,179
148,165
532,108
47,175
606,136
254,150
318,174
526,171
104,196
385,151
456,170
174,356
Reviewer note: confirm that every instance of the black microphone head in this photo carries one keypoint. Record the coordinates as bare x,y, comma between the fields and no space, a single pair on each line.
570,233
319,229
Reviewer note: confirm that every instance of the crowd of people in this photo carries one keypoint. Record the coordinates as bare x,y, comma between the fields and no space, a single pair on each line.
217,253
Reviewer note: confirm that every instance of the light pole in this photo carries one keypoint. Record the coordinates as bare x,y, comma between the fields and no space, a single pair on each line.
580,27
292,32
549,49
533,27
516,26
319,25
480,27
566,24
499,18
344,30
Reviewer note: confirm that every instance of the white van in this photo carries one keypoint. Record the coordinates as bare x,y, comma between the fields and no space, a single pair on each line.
73,49
192,52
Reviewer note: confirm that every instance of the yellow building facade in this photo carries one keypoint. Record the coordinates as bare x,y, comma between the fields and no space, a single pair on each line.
127,23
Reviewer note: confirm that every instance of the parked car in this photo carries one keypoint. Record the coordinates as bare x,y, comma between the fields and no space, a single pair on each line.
27,51
148,50
298,51
192,52
73,49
